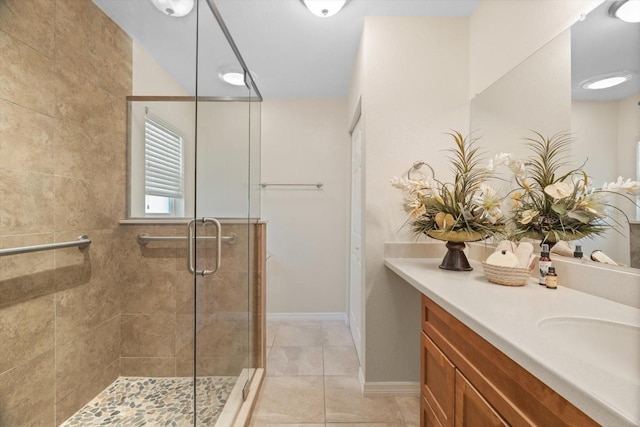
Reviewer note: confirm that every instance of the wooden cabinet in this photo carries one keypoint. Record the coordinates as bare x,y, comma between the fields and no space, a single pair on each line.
472,410
428,417
438,381
466,381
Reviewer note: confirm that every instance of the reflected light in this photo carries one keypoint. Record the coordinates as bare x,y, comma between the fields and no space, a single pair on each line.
235,78
626,10
604,82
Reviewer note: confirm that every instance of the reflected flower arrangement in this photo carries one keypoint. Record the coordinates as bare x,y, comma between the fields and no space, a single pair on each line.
551,205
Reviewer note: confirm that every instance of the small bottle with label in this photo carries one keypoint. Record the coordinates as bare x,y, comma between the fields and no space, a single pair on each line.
544,262
578,252
551,278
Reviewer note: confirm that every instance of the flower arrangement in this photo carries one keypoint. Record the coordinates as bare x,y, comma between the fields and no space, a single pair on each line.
552,205
464,210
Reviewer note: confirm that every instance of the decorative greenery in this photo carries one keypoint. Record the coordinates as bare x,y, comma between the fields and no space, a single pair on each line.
552,205
463,210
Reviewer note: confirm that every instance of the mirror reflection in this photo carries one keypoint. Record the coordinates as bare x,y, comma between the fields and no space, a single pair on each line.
545,93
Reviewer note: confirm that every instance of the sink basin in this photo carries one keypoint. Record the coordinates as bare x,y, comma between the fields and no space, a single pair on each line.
609,346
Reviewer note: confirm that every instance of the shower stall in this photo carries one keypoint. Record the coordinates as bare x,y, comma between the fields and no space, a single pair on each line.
117,127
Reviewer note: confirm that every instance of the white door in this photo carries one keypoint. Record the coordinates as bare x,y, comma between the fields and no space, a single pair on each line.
355,265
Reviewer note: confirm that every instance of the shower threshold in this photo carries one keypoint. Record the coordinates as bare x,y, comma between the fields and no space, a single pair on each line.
142,401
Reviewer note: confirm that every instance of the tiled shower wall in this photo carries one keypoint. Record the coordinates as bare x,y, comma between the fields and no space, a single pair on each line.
71,321
65,70
158,305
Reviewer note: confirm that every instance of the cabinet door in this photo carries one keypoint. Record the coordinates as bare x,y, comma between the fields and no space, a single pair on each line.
427,416
472,410
437,381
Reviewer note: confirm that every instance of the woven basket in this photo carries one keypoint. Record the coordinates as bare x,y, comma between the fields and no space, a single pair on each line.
508,276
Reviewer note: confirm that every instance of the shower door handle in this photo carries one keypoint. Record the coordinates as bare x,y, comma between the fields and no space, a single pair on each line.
191,241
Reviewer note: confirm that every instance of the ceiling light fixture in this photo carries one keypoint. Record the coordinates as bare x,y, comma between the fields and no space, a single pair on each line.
606,80
324,8
174,8
232,77
626,10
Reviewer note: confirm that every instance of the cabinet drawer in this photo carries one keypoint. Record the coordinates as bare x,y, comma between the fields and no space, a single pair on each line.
437,381
472,410
427,417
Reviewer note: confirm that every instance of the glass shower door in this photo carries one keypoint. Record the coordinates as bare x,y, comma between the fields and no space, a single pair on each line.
226,208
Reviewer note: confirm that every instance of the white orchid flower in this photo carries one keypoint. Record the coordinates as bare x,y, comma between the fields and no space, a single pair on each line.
631,187
414,207
488,203
527,216
518,168
559,190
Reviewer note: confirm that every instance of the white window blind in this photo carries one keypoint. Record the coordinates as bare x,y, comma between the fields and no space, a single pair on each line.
163,160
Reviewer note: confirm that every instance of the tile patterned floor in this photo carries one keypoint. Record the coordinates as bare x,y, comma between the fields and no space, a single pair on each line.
132,402
312,381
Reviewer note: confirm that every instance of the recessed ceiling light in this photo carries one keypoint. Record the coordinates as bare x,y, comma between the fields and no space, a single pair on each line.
233,77
606,81
626,10
174,8
324,8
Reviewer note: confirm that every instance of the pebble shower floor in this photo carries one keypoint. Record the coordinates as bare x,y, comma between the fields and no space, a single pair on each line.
135,401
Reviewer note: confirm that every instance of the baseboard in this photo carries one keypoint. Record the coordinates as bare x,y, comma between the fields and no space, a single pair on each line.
330,317
400,388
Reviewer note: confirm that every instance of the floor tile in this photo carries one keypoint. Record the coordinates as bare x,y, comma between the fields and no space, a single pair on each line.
290,400
299,334
345,403
288,361
336,335
272,330
410,409
341,361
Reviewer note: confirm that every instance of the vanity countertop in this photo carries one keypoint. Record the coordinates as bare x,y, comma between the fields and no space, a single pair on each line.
508,317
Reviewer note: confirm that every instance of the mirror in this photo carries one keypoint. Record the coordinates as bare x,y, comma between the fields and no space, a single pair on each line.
542,93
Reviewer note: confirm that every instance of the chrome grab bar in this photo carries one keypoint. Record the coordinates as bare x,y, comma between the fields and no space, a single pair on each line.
191,264
82,242
144,238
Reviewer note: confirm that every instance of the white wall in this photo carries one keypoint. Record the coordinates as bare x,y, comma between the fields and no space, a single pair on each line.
306,141
149,78
412,76
223,159
504,33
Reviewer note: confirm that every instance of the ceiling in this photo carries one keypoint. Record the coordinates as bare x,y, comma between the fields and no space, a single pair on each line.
290,52
601,45
294,54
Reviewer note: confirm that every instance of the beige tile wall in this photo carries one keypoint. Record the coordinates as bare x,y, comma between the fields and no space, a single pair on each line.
158,305
65,70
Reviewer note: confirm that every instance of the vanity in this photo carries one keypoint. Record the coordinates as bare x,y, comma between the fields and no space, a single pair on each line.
495,355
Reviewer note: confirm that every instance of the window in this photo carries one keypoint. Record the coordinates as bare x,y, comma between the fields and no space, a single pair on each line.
163,167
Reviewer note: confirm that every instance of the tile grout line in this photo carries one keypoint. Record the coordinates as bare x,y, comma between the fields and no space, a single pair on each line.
324,387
